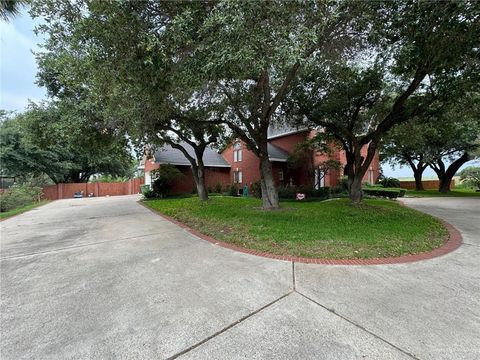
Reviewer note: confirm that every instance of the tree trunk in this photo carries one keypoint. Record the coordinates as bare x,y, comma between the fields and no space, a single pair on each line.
355,188
269,191
199,177
444,185
417,174
445,177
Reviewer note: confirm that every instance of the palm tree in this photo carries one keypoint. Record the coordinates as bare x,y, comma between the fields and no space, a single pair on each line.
10,8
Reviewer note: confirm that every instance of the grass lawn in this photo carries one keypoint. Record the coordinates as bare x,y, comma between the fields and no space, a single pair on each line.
328,229
22,209
436,193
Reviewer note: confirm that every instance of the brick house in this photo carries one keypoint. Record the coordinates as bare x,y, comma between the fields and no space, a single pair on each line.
238,165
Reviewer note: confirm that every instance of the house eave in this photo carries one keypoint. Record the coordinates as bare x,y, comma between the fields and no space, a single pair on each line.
287,133
188,164
277,159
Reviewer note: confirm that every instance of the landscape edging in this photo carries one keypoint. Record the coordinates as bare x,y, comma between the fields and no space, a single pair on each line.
452,243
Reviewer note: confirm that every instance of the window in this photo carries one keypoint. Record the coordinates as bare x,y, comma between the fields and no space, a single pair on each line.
280,174
319,178
371,175
237,177
237,152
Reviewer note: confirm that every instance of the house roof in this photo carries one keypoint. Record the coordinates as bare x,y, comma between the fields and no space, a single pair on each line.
169,155
276,131
276,154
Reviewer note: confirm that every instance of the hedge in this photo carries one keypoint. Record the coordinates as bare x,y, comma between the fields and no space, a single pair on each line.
384,192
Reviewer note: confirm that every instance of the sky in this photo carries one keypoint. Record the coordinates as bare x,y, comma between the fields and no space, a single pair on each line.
17,63
18,70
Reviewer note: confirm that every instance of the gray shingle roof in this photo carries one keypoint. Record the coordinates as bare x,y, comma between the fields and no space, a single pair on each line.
276,154
169,155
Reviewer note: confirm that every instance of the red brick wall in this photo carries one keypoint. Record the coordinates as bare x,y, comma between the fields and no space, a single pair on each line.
249,166
300,176
66,191
213,176
289,142
50,192
427,184
150,165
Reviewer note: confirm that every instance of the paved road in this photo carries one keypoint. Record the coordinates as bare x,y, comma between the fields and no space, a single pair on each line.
106,278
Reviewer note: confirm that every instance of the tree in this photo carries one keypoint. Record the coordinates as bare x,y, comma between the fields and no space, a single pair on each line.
140,89
421,51
244,54
447,134
60,140
10,8
405,145
251,53
456,142
303,156
471,176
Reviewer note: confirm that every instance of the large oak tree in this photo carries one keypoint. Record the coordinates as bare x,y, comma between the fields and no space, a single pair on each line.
414,53
236,59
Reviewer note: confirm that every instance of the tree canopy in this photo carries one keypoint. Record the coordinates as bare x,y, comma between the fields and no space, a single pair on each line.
62,141
413,56
166,72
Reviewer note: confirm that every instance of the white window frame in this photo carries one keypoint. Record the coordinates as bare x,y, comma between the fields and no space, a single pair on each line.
319,179
238,177
237,152
281,176
371,175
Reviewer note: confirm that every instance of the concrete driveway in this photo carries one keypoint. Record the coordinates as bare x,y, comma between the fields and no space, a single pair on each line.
106,278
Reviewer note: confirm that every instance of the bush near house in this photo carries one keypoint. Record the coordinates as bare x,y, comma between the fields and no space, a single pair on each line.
162,183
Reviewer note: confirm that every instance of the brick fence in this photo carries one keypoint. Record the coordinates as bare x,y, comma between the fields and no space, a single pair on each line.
66,191
427,184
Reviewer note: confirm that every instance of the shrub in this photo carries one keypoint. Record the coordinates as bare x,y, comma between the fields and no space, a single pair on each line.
218,188
164,177
232,190
148,194
342,186
287,192
256,189
389,182
19,195
388,193
144,188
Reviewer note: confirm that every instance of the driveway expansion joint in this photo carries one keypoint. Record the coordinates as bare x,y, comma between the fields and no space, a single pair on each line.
453,242
358,326
228,327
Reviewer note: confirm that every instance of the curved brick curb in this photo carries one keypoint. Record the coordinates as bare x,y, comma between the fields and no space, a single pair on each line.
452,243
